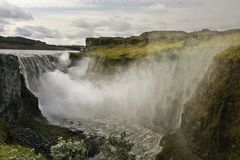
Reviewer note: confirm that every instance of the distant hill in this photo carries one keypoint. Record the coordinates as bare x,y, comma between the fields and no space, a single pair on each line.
24,43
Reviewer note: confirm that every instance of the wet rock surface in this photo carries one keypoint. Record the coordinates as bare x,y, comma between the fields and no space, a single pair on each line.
210,121
30,138
10,89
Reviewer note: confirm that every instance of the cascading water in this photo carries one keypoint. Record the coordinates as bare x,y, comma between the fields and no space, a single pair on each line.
143,99
34,64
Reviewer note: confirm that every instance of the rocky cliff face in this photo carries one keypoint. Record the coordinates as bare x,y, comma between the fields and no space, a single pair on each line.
210,127
211,119
10,89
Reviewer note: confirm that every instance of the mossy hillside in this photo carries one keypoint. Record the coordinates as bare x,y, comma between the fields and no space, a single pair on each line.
132,51
211,119
231,54
17,152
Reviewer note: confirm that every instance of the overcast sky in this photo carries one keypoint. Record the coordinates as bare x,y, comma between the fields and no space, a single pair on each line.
71,21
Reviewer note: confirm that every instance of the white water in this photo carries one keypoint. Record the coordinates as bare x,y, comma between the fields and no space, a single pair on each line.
144,99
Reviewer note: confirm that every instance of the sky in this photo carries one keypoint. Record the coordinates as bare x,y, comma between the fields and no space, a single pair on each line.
71,21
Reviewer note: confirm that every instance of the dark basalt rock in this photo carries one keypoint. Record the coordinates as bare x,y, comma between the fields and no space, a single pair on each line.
10,89
32,139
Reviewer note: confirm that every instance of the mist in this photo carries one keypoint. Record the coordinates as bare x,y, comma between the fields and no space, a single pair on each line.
151,92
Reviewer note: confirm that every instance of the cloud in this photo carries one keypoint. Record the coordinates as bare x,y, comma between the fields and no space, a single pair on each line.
78,19
122,3
114,24
37,32
2,29
9,11
182,3
95,28
3,21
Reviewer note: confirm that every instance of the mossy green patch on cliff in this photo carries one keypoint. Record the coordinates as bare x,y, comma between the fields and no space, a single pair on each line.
233,53
175,148
132,51
157,42
16,152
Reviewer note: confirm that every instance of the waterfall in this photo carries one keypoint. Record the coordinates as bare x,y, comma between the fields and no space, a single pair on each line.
150,92
34,66
144,98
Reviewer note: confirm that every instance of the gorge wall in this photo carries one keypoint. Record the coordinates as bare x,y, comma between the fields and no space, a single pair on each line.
14,70
210,120
10,89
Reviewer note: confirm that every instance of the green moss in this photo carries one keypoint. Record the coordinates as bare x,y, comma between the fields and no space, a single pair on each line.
16,152
235,132
175,148
157,42
233,53
3,133
75,54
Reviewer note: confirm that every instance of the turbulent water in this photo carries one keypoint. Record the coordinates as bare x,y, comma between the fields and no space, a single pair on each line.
145,99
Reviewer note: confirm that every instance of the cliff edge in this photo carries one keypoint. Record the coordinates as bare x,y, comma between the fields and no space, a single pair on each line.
211,119
210,127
